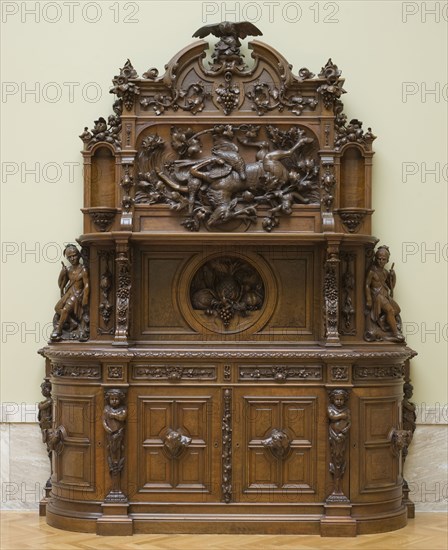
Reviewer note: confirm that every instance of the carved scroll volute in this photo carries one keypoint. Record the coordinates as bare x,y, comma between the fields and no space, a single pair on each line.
114,422
278,443
123,292
175,442
339,418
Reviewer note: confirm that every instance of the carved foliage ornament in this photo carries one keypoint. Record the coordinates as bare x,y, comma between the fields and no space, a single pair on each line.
106,281
331,297
221,188
123,88
227,447
105,131
123,293
281,373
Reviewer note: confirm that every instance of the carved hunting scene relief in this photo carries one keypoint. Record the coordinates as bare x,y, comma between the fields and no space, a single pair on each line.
213,188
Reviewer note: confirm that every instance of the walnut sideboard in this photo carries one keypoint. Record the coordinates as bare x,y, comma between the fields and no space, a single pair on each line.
227,354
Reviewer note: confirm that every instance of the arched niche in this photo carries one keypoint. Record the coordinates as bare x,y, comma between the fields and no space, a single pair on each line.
102,181
353,179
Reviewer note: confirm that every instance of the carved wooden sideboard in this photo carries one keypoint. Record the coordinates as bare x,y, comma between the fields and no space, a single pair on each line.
227,354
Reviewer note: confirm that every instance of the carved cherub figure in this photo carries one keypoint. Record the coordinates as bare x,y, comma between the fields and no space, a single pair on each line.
45,414
73,306
383,310
340,422
114,418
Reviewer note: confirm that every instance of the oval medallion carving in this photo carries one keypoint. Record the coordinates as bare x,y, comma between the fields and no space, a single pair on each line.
228,293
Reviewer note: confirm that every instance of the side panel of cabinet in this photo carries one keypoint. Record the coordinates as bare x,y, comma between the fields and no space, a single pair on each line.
160,472
375,412
78,461
294,473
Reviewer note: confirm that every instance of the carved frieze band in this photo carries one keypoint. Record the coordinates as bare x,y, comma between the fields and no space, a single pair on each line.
227,446
374,373
173,372
405,353
75,371
280,373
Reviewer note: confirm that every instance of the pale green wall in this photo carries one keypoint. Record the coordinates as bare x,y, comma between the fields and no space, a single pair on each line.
369,41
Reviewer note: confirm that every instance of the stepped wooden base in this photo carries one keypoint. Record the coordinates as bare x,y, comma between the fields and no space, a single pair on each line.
332,523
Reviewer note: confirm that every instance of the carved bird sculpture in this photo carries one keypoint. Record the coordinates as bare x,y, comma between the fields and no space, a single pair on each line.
228,28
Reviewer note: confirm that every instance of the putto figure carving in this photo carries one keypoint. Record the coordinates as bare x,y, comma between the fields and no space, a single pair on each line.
339,417
71,320
383,320
114,421
45,418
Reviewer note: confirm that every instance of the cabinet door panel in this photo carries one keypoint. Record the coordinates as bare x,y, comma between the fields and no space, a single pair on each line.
156,469
282,475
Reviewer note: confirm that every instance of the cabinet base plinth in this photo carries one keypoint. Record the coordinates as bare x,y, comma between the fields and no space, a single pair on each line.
338,526
111,525
43,506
